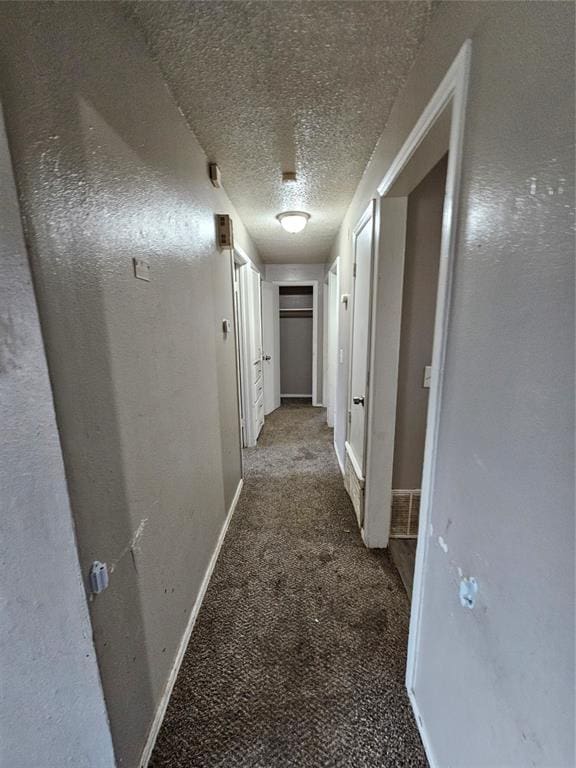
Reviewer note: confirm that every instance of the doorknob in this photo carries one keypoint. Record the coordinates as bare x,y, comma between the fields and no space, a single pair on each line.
266,357
358,400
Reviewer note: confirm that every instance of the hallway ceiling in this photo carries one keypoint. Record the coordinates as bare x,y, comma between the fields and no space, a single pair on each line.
300,85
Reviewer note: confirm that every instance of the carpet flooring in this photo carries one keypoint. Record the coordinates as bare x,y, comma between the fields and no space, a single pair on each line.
298,654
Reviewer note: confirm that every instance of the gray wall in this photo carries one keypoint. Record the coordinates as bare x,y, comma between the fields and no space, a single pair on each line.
296,356
421,262
503,498
52,709
144,382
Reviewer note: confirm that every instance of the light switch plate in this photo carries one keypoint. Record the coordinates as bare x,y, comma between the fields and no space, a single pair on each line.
141,270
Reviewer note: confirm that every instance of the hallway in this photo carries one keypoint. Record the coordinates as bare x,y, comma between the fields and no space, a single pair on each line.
299,651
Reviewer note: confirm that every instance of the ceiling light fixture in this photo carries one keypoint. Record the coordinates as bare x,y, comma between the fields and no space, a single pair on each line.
293,221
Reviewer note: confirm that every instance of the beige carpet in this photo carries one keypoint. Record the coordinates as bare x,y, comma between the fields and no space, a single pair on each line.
298,655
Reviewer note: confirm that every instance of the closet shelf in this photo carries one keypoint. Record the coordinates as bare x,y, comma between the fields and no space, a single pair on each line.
296,309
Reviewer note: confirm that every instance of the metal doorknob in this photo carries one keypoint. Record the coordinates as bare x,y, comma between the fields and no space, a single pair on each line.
358,400
266,357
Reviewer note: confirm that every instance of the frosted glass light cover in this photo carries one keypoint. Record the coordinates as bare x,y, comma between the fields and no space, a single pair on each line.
293,221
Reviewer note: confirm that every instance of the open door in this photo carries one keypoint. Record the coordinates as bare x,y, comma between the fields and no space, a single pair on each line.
359,363
271,346
250,339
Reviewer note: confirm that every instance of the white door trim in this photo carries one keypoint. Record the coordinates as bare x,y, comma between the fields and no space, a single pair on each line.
453,88
452,91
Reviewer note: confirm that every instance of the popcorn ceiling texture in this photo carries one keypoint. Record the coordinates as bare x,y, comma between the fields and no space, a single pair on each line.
280,86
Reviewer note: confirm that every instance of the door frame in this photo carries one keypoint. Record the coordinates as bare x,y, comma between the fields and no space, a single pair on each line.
314,284
368,218
450,95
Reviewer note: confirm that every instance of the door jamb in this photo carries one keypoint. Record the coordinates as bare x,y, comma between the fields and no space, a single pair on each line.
451,91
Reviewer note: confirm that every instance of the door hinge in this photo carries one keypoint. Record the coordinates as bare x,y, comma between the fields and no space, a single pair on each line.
349,417
354,270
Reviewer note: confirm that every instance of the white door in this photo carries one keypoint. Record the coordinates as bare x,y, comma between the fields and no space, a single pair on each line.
252,378
363,242
256,353
240,351
332,356
271,346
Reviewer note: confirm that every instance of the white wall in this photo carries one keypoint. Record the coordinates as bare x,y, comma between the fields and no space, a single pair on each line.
295,272
52,709
495,686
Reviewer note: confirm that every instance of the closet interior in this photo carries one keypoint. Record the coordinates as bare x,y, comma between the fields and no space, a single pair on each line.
296,340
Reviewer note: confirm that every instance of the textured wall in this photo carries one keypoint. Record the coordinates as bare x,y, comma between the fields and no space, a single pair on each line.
504,492
144,381
421,262
50,684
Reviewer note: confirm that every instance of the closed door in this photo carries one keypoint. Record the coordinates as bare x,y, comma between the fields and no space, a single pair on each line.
271,346
256,353
332,357
363,242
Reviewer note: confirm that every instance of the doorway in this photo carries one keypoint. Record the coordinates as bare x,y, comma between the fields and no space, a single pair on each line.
296,314
431,155
290,333
421,266
361,334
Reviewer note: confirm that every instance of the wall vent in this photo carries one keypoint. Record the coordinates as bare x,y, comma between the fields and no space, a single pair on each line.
405,514
225,232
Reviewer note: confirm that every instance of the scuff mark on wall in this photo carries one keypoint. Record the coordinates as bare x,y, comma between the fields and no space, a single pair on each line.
443,544
11,344
132,546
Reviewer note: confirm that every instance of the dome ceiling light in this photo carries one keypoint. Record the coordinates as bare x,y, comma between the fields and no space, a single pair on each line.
293,221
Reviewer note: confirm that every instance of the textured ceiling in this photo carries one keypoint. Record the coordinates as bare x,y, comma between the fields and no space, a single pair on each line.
277,85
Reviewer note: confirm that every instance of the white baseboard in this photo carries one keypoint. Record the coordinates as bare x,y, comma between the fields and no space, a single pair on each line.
308,397
340,463
422,730
161,710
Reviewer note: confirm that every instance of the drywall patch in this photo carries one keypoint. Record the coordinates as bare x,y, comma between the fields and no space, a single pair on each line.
443,544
